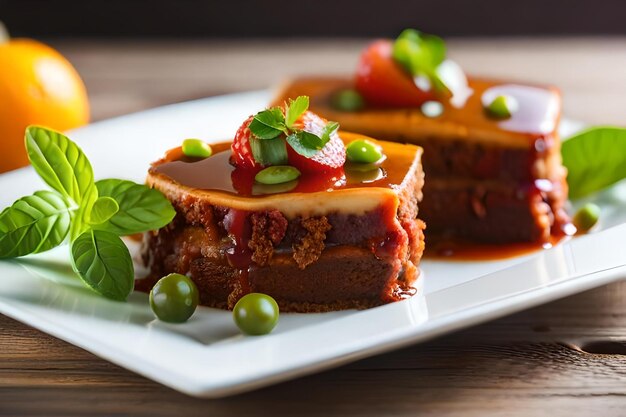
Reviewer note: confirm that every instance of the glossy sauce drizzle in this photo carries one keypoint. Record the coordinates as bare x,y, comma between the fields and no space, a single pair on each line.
216,173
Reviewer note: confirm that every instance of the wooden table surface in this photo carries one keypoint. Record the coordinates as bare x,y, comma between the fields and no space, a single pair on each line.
563,359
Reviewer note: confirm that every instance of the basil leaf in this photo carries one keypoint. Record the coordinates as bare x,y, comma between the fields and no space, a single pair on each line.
268,124
34,224
595,159
80,218
103,209
103,262
296,109
269,151
140,208
304,143
328,131
59,162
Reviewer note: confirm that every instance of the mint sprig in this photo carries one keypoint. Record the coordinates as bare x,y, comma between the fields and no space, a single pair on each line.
420,54
92,214
266,127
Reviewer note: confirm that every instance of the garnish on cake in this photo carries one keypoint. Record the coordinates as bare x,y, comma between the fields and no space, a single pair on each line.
289,134
408,72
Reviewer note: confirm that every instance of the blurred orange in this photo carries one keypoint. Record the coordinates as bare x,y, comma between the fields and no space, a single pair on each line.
37,86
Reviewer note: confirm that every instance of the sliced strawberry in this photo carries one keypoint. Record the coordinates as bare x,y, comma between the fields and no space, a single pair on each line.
332,156
383,82
242,152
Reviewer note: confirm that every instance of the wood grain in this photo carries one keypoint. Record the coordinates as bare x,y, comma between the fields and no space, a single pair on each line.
530,363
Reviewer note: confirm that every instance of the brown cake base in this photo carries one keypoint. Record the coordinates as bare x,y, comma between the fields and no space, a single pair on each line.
342,277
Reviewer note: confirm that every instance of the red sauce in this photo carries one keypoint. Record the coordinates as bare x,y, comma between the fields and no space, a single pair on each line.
237,225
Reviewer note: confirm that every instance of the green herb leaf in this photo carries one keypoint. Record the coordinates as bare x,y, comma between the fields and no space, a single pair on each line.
268,124
595,159
103,262
103,209
59,162
80,218
34,224
328,131
308,144
269,151
296,109
140,208
305,143
420,54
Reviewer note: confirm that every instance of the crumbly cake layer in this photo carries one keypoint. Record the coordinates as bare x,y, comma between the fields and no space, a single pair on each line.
342,276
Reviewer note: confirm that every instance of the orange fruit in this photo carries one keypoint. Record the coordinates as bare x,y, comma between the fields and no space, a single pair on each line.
37,86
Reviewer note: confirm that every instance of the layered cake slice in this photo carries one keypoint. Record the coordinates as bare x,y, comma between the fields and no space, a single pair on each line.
283,213
492,149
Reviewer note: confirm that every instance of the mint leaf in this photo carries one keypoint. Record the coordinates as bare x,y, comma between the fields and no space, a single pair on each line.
269,151
296,109
34,224
420,54
595,159
103,262
268,124
328,131
103,209
140,208
305,143
59,162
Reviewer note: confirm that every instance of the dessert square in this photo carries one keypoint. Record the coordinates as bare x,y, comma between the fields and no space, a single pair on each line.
347,238
489,180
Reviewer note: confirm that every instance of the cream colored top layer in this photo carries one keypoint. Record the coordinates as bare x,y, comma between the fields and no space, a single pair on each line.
403,163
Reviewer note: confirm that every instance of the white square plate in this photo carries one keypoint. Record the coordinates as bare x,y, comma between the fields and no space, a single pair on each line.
207,356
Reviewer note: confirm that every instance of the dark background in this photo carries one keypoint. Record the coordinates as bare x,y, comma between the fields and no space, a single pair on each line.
322,18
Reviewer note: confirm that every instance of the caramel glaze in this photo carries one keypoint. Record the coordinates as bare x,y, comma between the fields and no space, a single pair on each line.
537,115
216,173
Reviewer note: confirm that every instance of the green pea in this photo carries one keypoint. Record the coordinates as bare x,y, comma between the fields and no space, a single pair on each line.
256,314
347,100
277,174
363,151
197,148
586,217
174,298
502,107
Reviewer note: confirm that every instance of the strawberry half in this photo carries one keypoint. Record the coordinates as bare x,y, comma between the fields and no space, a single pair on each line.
242,152
383,82
332,156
